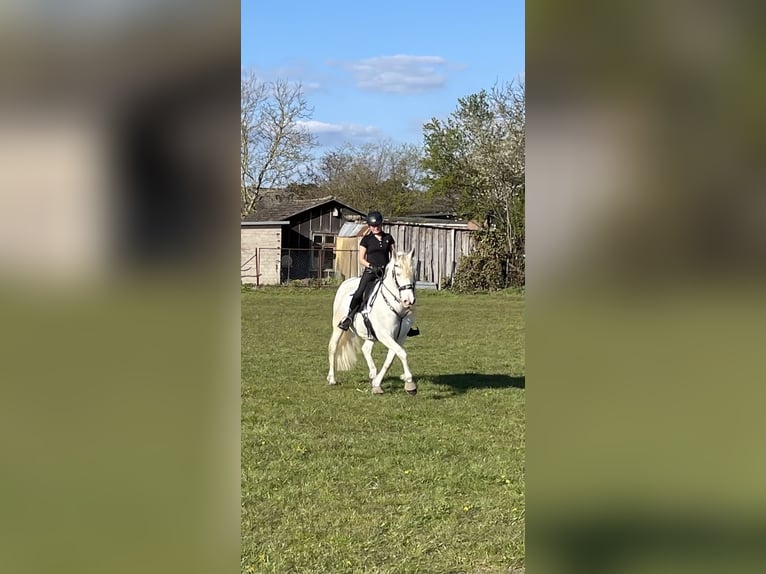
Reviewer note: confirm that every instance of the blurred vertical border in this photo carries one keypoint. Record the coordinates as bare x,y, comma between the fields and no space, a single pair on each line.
119,297
646,312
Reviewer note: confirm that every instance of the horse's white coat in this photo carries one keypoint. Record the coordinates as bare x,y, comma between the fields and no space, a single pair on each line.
391,317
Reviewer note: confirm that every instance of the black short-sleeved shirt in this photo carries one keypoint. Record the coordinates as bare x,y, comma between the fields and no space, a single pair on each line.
378,250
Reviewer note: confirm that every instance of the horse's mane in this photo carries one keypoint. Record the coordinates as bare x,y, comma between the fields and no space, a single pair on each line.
404,261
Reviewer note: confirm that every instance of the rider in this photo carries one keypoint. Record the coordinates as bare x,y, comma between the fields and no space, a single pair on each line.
375,252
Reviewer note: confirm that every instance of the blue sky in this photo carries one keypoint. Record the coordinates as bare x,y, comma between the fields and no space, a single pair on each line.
377,71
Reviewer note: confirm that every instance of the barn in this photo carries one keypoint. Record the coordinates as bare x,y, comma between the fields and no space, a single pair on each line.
292,239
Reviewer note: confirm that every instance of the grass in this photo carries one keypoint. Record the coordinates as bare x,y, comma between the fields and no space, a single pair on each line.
337,480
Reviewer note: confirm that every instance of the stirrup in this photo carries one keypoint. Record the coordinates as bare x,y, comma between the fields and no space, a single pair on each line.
413,332
345,324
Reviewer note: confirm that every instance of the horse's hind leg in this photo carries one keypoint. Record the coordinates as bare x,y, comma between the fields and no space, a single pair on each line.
367,351
331,350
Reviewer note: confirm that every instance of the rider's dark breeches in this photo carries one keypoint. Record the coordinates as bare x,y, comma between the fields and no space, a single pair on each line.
356,300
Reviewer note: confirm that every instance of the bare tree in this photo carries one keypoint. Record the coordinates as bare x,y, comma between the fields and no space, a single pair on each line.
275,145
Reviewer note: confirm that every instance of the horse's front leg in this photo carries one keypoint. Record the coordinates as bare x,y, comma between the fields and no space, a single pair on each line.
367,352
376,388
332,348
409,385
395,349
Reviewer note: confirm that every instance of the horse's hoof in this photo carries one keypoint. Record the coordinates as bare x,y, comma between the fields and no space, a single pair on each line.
410,387
412,392
377,391
332,383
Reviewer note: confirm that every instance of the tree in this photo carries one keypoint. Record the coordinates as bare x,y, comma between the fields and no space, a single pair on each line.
275,147
378,175
475,160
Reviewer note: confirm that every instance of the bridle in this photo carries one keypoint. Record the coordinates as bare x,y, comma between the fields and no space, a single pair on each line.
383,288
410,286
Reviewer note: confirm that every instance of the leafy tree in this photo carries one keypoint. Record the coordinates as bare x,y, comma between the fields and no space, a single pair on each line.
274,146
378,175
475,161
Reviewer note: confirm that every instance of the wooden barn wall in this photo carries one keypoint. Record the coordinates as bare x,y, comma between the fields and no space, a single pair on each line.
347,257
318,220
437,249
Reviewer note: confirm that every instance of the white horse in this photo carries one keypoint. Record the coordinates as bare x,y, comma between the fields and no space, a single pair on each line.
390,315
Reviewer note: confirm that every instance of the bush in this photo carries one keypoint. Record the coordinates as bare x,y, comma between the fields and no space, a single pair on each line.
479,273
484,269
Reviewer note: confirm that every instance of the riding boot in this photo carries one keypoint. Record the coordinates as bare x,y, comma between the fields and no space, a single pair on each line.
346,323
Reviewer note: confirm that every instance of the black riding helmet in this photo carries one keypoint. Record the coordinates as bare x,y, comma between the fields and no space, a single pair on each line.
374,218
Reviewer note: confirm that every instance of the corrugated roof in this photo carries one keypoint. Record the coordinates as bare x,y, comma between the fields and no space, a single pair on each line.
351,229
285,210
263,223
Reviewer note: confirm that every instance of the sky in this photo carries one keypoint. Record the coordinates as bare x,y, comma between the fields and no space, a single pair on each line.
378,71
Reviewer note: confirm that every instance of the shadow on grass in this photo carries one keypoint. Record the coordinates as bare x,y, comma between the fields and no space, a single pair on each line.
607,542
464,382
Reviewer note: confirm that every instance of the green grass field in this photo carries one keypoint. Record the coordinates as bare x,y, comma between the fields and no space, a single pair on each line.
337,480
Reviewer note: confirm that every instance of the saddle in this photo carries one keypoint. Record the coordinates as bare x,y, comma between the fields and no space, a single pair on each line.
367,300
370,293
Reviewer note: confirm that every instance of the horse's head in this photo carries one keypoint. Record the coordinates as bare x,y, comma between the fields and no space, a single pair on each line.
403,274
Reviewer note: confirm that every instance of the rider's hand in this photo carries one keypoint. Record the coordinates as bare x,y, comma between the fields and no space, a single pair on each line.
378,271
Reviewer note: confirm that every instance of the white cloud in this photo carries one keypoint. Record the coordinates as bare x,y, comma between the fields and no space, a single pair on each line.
330,135
311,86
352,129
401,74
309,81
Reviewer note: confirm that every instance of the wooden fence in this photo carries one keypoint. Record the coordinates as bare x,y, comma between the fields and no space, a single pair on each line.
438,247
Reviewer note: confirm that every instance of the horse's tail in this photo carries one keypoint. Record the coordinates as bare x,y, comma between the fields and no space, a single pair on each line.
346,351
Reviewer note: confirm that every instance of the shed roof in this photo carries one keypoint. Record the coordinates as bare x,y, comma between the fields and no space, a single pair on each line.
285,210
433,222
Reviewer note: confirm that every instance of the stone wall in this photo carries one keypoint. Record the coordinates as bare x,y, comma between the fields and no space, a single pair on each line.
260,250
